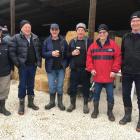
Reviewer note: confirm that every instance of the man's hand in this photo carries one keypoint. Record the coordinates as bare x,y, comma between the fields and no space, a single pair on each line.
75,52
112,74
93,72
55,53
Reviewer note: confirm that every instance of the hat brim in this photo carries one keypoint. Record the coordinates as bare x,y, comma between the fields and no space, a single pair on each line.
81,27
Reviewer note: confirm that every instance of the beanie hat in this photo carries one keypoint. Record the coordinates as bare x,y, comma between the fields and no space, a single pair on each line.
103,27
23,22
135,15
4,28
81,25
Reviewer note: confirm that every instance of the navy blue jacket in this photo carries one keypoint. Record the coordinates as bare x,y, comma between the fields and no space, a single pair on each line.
47,53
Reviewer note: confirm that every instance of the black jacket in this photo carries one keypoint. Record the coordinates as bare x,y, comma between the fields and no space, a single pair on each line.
72,47
5,63
19,49
131,53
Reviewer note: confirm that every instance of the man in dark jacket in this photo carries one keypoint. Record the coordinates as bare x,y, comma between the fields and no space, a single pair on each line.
55,50
131,67
25,52
5,70
78,51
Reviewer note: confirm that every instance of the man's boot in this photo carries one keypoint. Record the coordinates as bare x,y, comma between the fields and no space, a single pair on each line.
138,125
85,107
51,103
60,103
72,105
127,116
21,106
110,113
3,110
96,109
31,102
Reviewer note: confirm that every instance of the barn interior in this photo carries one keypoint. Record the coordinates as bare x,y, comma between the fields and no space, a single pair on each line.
67,13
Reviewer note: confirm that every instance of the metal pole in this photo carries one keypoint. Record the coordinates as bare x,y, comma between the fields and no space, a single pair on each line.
92,18
12,16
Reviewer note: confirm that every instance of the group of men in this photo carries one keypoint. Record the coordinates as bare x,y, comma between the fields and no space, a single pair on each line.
101,59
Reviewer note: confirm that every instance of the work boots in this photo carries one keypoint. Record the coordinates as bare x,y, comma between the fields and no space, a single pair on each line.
73,104
127,116
110,113
31,102
96,109
85,107
60,103
3,110
51,103
21,106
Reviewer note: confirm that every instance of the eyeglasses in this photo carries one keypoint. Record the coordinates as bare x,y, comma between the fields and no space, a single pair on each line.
103,32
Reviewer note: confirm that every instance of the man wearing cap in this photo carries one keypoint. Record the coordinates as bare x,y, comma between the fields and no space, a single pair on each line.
25,52
55,52
78,51
103,61
5,70
6,34
131,67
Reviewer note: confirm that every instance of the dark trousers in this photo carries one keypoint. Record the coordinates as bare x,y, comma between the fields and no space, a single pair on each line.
127,80
80,76
109,91
26,80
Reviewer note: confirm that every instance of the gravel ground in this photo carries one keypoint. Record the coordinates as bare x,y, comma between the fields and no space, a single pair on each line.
60,125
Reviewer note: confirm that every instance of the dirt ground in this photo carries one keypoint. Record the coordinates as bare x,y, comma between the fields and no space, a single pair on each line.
61,125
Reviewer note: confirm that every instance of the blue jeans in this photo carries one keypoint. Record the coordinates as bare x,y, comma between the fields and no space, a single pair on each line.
127,80
109,91
26,80
56,80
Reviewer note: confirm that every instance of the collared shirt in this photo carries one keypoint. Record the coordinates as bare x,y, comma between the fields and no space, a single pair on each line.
28,38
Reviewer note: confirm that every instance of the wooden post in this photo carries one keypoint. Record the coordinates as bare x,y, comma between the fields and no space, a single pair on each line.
12,16
92,18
